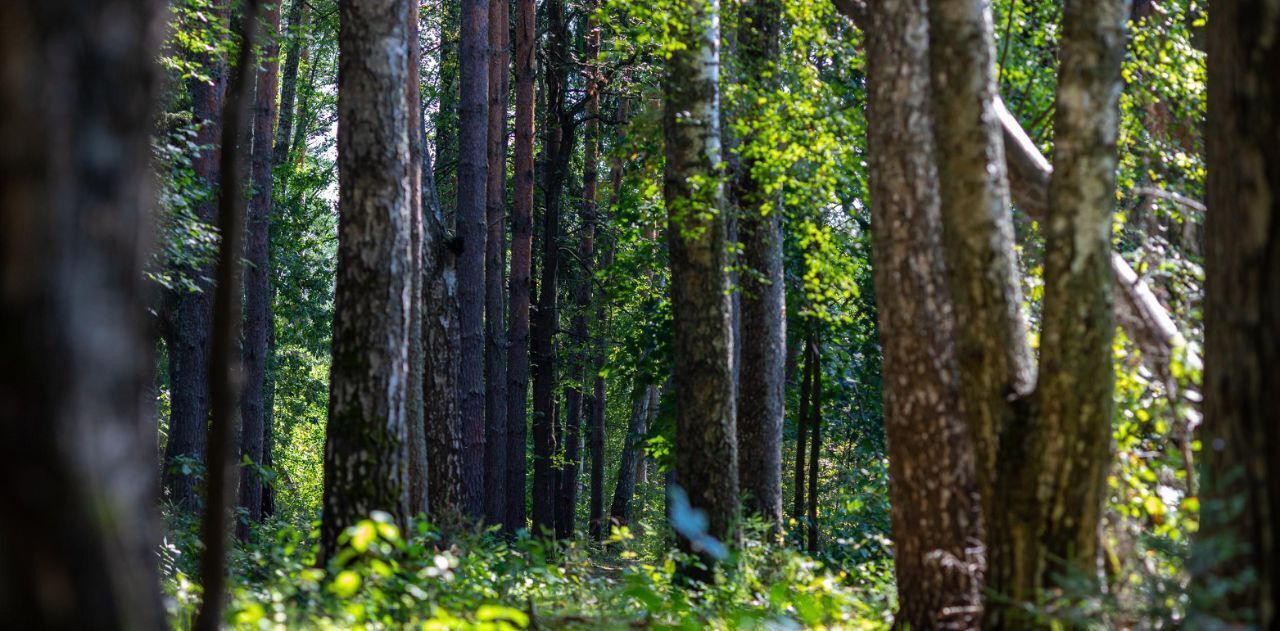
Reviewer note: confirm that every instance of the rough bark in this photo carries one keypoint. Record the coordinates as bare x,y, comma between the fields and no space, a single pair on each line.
78,536
415,398
365,443
935,509
706,449
521,262
255,347
190,313
473,169
225,376
1242,317
761,393
1076,381
495,356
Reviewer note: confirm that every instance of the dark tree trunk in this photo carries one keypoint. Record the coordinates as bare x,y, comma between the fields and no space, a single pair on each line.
761,393
630,460
225,376
802,427
79,533
446,166
365,446
1242,316
931,468
419,497
190,313
495,356
815,447
706,448
255,347
296,36
473,169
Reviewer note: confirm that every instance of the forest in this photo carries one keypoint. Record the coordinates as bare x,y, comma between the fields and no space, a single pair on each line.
632,314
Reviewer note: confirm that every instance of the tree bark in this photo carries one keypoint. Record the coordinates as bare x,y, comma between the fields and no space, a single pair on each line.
521,262
629,461
296,25
446,164
1242,316
415,397
258,322
761,393
706,448
79,532
365,443
815,448
495,364
802,429
473,169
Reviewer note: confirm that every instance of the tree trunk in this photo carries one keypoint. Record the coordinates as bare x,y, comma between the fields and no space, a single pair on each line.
934,504
1242,315
815,448
255,346
1076,383
365,443
79,532
706,448
761,393
629,460
802,427
190,313
415,397
446,173
521,262
495,469
296,29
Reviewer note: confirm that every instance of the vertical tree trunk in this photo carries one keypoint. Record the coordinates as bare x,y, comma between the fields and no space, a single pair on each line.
473,169
78,536
1242,316
706,448
365,443
415,401
225,376
815,448
495,364
446,166
296,28
629,460
190,313
931,468
1076,383
521,262
802,427
257,274
761,393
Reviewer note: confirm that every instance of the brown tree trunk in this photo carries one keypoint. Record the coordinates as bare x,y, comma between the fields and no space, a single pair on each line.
79,532
706,446
815,447
190,313
521,262
761,393
255,346
225,376
415,397
296,36
365,443
446,164
495,364
1242,316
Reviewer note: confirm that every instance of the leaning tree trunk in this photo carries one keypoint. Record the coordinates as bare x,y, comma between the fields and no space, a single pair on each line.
521,262
255,347
931,474
1076,384
706,448
473,169
495,353
366,435
761,393
79,534
1242,317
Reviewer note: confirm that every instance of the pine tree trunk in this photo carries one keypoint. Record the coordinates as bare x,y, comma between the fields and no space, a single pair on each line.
254,347
1242,316
706,447
365,445
495,357
79,534
521,266
415,398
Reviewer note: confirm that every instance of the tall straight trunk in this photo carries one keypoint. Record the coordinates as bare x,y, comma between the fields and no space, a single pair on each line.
415,398
521,262
190,313
296,26
802,427
473,170
1242,316
495,355
365,442
815,448
761,391
225,376
706,447
629,460
255,346
78,536
1076,383
931,468
446,166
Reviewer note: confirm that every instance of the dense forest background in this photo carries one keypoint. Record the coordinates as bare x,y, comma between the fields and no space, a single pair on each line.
616,313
